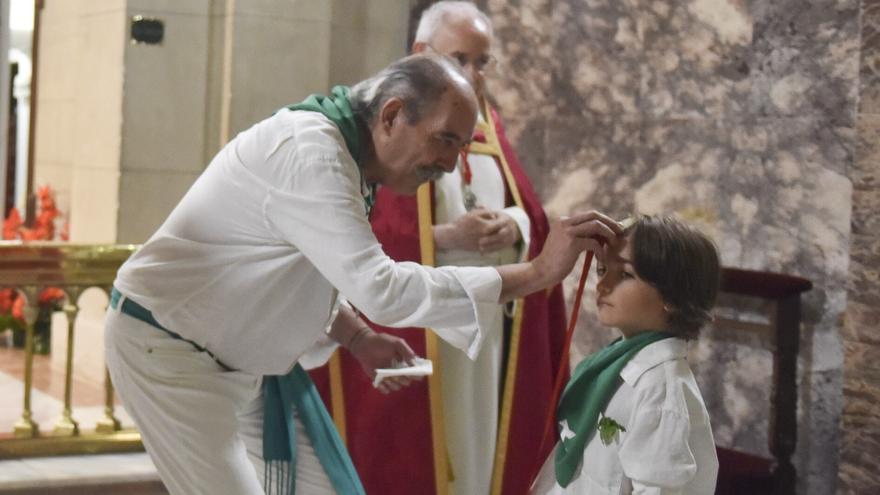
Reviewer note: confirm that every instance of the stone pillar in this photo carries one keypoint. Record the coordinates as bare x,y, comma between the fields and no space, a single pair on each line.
79,112
860,423
4,99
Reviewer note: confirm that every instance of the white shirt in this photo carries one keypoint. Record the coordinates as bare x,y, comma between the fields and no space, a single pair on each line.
250,264
667,448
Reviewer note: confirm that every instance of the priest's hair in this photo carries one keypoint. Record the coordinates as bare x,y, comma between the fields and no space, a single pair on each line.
435,15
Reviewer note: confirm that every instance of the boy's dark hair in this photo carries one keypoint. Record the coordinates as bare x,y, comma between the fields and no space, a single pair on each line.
683,265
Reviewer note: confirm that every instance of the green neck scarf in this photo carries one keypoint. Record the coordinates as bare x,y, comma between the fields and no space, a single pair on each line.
593,383
283,394
337,108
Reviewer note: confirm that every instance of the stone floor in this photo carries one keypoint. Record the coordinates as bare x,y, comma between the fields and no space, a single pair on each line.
92,474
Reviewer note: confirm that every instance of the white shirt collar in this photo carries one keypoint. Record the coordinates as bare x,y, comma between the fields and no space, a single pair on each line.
652,356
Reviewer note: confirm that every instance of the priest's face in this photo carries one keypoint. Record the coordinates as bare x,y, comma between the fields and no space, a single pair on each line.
412,153
467,41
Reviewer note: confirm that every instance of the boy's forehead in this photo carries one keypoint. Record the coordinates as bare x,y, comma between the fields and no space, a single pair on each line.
616,251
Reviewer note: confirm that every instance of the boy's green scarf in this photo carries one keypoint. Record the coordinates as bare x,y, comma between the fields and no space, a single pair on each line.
283,394
593,383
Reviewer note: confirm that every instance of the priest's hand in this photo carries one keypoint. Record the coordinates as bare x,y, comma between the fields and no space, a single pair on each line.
375,350
477,230
503,233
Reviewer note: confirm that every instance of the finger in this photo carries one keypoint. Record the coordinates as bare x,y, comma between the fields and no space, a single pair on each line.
495,242
404,352
485,214
403,381
493,227
391,384
593,215
593,229
479,212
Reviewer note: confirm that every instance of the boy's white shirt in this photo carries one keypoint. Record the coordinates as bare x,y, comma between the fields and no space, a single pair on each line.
667,448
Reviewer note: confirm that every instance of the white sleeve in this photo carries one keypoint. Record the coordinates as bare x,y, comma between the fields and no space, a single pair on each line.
322,350
525,228
321,213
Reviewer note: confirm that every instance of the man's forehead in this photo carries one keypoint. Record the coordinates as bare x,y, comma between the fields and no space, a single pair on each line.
458,101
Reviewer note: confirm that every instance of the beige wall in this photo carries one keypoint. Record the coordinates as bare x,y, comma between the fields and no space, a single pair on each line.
225,65
123,129
79,112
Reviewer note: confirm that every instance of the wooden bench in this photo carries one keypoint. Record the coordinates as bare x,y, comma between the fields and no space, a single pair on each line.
744,473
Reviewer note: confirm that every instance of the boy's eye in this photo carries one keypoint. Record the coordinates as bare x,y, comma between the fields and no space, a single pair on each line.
600,270
627,274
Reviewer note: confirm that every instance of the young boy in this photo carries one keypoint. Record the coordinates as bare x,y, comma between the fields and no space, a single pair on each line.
631,419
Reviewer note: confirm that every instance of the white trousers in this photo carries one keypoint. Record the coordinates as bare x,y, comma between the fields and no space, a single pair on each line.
201,425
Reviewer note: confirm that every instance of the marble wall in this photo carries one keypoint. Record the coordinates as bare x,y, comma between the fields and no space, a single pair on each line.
860,424
740,115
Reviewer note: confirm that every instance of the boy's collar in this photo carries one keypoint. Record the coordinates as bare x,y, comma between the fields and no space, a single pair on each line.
652,356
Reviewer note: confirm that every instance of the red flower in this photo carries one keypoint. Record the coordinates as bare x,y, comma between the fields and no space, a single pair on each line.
11,225
18,308
50,295
43,229
7,297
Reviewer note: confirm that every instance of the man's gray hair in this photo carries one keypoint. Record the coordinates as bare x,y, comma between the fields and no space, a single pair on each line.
418,80
440,12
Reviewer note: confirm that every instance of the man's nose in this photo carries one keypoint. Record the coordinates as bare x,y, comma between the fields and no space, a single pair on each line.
449,161
472,73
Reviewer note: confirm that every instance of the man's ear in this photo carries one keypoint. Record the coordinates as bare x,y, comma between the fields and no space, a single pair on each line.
390,111
419,47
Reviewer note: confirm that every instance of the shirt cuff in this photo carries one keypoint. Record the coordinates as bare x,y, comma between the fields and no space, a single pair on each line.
525,225
483,287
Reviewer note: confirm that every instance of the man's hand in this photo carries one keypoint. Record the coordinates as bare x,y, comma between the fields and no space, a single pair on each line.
567,239
478,230
570,236
375,350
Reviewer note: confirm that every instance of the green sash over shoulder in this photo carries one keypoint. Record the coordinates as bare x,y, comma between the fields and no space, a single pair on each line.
593,383
282,395
337,108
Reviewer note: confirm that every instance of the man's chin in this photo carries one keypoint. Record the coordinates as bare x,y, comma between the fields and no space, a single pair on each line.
404,189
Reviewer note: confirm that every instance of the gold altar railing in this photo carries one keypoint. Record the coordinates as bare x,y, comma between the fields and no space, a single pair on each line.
30,268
